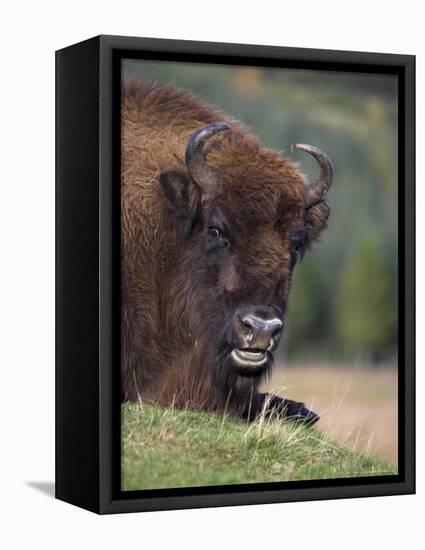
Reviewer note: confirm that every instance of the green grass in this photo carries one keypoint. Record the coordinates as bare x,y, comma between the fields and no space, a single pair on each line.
164,448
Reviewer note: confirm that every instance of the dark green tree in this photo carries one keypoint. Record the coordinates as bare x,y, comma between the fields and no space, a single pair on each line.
308,319
366,302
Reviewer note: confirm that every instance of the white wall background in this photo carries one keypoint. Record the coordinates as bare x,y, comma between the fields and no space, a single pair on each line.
29,34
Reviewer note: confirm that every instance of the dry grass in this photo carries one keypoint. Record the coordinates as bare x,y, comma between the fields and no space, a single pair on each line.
165,447
358,406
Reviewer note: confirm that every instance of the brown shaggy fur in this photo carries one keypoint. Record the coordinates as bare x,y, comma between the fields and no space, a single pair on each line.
177,302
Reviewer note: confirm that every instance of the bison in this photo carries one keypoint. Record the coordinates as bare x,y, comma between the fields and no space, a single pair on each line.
213,225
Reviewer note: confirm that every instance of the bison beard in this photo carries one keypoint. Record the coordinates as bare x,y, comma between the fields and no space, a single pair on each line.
212,227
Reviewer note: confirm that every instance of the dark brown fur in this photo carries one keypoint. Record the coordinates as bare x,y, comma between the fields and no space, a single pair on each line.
177,302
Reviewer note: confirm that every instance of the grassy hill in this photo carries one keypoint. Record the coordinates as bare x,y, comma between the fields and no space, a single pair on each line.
165,448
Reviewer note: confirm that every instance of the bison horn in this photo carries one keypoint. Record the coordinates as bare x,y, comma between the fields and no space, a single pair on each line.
320,186
194,156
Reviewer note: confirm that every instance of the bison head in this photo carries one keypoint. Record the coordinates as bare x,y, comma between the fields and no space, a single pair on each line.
241,218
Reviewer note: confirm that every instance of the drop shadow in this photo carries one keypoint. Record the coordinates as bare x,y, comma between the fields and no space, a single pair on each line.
46,487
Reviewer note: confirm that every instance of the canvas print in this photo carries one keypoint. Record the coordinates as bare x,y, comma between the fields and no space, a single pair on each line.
258,275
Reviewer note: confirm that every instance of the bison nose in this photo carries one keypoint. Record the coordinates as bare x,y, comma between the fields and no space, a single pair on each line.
260,330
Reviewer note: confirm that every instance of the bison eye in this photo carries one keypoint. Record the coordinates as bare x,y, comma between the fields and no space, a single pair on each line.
216,239
214,232
296,245
298,249
296,252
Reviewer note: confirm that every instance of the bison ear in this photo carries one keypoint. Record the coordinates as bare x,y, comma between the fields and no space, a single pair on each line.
316,220
183,199
176,188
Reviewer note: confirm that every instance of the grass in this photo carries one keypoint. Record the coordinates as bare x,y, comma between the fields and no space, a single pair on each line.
165,448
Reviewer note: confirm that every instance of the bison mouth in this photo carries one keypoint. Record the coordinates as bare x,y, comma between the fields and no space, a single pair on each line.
250,361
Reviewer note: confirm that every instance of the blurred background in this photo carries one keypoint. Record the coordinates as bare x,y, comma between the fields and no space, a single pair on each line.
339,349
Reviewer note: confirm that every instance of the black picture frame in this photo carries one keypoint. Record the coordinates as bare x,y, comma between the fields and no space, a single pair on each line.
87,274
